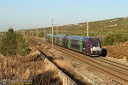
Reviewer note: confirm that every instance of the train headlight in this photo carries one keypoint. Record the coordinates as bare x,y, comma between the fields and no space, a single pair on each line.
91,49
95,49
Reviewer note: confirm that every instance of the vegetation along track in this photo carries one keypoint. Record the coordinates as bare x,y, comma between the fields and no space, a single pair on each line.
118,75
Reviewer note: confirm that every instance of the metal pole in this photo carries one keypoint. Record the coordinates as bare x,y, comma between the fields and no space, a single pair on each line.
44,33
52,35
30,32
87,28
57,29
36,31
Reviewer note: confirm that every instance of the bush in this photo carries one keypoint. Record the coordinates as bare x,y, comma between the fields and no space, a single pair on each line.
115,38
120,38
108,40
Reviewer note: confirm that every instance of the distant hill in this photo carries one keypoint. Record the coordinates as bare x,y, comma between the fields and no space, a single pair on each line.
117,25
102,27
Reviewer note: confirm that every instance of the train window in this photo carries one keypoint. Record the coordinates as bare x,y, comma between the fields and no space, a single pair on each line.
75,44
84,45
95,43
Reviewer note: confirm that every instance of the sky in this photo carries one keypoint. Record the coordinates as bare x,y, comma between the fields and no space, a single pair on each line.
27,14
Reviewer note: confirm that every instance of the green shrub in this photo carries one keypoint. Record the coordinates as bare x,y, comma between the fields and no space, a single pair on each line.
115,38
108,40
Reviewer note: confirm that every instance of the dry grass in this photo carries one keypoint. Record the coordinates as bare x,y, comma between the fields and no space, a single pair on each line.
25,67
20,67
118,51
47,78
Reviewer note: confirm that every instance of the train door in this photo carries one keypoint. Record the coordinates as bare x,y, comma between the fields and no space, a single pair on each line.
65,41
50,38
84,47
89,46
81,45
69,43
54,39
57,41
61,41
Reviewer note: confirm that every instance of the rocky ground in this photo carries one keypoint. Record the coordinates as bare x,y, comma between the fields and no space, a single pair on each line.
80,70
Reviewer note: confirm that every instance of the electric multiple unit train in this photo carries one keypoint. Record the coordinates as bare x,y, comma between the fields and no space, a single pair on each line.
87,45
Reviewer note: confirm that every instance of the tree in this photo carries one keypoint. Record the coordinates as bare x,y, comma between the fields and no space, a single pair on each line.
23,45
13,44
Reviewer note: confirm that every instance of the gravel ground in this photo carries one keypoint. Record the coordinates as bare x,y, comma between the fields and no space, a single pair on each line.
86,72
82,71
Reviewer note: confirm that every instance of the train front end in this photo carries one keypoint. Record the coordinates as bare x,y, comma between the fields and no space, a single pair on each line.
96,48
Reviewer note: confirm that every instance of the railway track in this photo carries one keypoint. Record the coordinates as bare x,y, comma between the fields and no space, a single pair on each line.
118,71
120,77
123,68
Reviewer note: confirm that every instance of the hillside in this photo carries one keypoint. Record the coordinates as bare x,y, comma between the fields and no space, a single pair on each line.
117,25
102,27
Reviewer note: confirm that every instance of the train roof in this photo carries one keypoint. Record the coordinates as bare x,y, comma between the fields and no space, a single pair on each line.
73,37
49,34
76,37
59,35
89,37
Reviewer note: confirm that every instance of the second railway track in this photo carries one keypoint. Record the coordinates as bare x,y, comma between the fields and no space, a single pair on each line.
123,68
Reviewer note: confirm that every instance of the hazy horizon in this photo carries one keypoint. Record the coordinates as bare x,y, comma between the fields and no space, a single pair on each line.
25,14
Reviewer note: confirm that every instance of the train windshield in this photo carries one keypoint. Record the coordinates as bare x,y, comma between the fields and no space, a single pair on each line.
95,42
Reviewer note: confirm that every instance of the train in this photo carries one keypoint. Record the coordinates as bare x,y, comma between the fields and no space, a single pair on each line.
90,46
